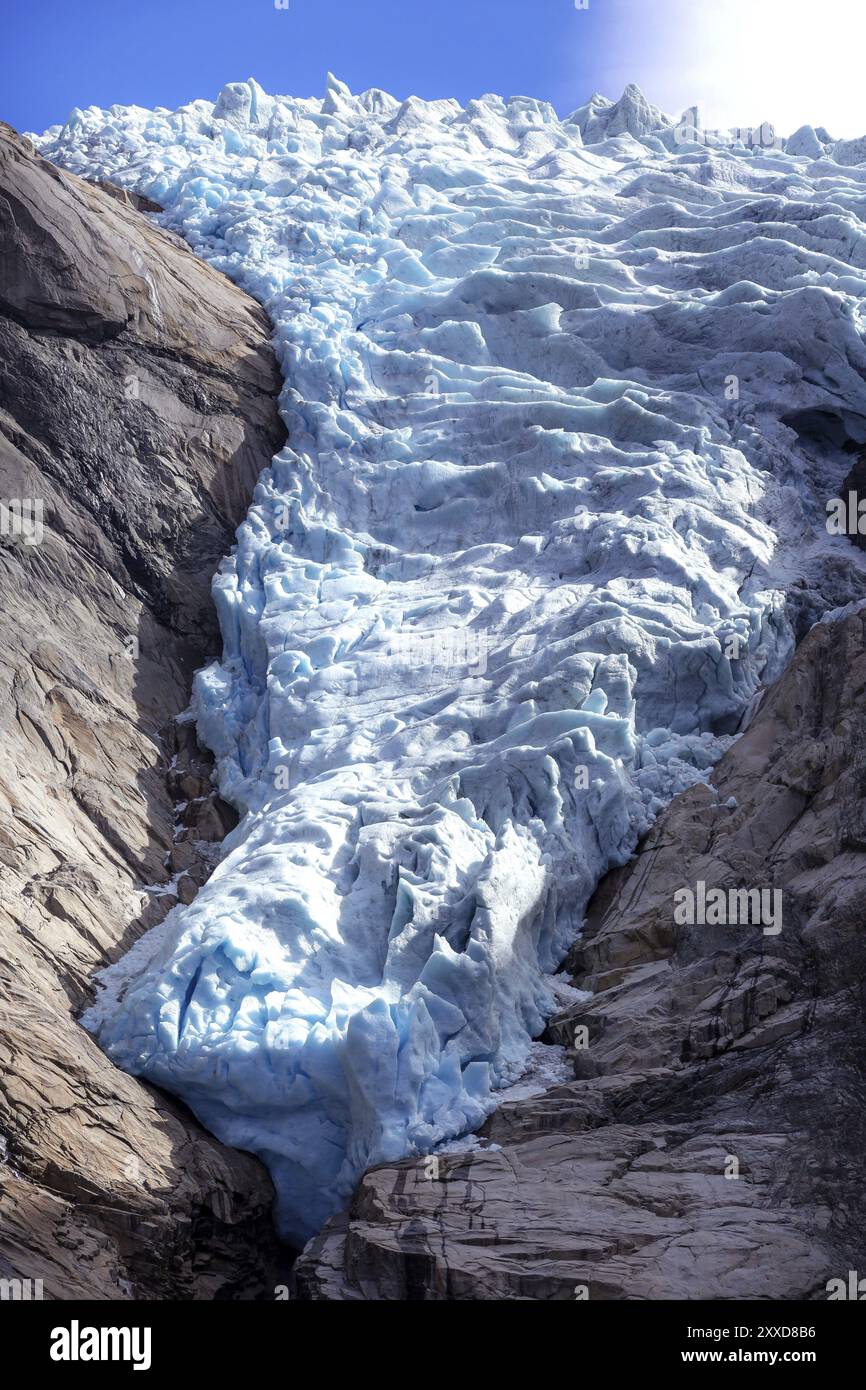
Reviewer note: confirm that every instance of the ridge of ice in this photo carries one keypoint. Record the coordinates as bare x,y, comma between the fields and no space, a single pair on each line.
478,623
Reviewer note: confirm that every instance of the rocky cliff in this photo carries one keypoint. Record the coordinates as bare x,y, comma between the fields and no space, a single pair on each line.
137,408
712,1143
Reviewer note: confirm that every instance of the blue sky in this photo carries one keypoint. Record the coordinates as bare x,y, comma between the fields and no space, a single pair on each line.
63,53
742,61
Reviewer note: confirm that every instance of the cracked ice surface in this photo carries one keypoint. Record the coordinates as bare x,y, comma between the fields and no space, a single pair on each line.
511,585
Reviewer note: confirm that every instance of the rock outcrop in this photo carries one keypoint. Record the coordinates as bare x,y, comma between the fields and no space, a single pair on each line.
712,1143
137,409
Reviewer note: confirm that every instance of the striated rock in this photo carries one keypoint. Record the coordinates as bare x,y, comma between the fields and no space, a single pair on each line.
128,196
137,409
712,1144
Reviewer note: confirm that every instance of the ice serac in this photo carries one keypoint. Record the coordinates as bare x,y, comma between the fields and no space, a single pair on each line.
601,119
513,583
805,142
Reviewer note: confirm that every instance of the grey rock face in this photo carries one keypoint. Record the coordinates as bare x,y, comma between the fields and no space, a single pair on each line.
137,409
712,1144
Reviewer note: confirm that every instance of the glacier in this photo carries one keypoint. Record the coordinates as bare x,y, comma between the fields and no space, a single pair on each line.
565,400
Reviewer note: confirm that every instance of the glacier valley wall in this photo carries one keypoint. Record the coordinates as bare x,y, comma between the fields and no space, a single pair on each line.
548,516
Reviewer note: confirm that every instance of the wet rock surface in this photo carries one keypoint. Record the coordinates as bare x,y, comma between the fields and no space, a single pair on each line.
137,409
712,1143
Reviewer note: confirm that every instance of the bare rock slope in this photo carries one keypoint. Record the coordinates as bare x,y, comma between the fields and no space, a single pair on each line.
137,408
713,1143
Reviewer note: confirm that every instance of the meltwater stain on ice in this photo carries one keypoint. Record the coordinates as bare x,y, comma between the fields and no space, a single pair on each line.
509,588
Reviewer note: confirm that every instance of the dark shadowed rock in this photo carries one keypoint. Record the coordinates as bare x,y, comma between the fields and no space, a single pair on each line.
137,407
712,1145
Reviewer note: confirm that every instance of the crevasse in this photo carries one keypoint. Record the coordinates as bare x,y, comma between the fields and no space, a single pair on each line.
510,586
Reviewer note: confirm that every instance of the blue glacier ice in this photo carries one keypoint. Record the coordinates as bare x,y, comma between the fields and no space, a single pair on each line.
512,584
